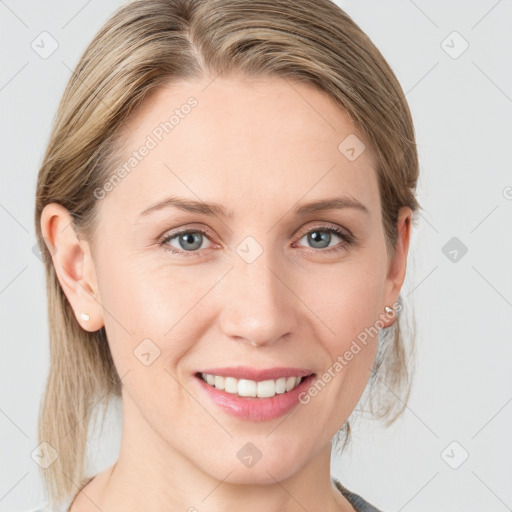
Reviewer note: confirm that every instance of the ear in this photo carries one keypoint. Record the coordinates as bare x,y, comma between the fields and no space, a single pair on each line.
398,264
73,265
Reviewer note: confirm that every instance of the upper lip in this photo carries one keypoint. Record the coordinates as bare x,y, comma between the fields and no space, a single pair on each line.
257,374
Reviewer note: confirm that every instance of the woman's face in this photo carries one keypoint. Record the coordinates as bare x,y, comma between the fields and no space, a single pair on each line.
259,282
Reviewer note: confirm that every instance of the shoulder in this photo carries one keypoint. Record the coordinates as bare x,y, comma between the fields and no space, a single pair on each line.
54,507
66,504
359,503
47,507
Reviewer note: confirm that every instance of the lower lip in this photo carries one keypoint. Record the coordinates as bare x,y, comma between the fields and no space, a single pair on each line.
253,408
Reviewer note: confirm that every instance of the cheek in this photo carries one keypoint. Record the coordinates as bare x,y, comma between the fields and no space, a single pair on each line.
348,297
148,309
349,305
138,293
358,301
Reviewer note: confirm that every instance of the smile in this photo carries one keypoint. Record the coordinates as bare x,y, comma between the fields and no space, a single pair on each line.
252,388
254,394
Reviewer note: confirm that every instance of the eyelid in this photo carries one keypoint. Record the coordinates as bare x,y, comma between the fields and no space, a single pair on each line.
183,229
346,236
342,232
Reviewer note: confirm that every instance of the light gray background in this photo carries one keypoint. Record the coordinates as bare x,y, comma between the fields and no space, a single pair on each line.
462,110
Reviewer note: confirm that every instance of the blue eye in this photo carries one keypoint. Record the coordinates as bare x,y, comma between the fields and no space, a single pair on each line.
190,241
319,236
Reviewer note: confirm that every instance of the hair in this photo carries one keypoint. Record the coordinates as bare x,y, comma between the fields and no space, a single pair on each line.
146,45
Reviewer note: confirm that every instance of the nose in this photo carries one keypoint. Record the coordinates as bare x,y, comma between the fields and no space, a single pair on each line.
259,308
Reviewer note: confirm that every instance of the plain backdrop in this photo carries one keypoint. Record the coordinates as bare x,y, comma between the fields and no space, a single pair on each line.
452,448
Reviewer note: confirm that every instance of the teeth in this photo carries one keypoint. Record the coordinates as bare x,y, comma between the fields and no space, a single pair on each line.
252,388
219,382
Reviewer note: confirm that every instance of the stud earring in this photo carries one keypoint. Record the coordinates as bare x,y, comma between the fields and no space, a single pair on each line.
84,316
388,310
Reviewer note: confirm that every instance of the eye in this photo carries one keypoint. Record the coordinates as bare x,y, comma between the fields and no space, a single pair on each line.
321,236
191,240
188,241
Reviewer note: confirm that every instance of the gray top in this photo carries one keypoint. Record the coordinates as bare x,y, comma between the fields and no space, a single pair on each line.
359,503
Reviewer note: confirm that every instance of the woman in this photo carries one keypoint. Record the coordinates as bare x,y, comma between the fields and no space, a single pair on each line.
224,208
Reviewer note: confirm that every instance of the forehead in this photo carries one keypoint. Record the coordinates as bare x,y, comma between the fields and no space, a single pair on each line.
232,138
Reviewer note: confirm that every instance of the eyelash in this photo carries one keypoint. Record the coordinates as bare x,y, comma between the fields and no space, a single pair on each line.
347,239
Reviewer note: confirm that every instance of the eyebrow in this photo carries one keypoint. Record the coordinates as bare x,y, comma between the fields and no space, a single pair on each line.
214,209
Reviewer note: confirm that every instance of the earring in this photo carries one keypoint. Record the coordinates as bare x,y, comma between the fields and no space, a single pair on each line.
388,310
84,316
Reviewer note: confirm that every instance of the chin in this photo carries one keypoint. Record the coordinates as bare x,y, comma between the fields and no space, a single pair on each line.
261,469
259,474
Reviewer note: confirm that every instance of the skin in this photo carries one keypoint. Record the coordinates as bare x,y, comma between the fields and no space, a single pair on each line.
260,148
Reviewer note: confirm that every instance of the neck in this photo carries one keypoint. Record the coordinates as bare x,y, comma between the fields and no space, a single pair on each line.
152,475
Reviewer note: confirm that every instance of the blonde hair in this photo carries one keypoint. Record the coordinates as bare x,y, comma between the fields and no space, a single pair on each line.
145,45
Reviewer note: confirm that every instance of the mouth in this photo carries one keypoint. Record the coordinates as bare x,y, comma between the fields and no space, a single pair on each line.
252,388
267,395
